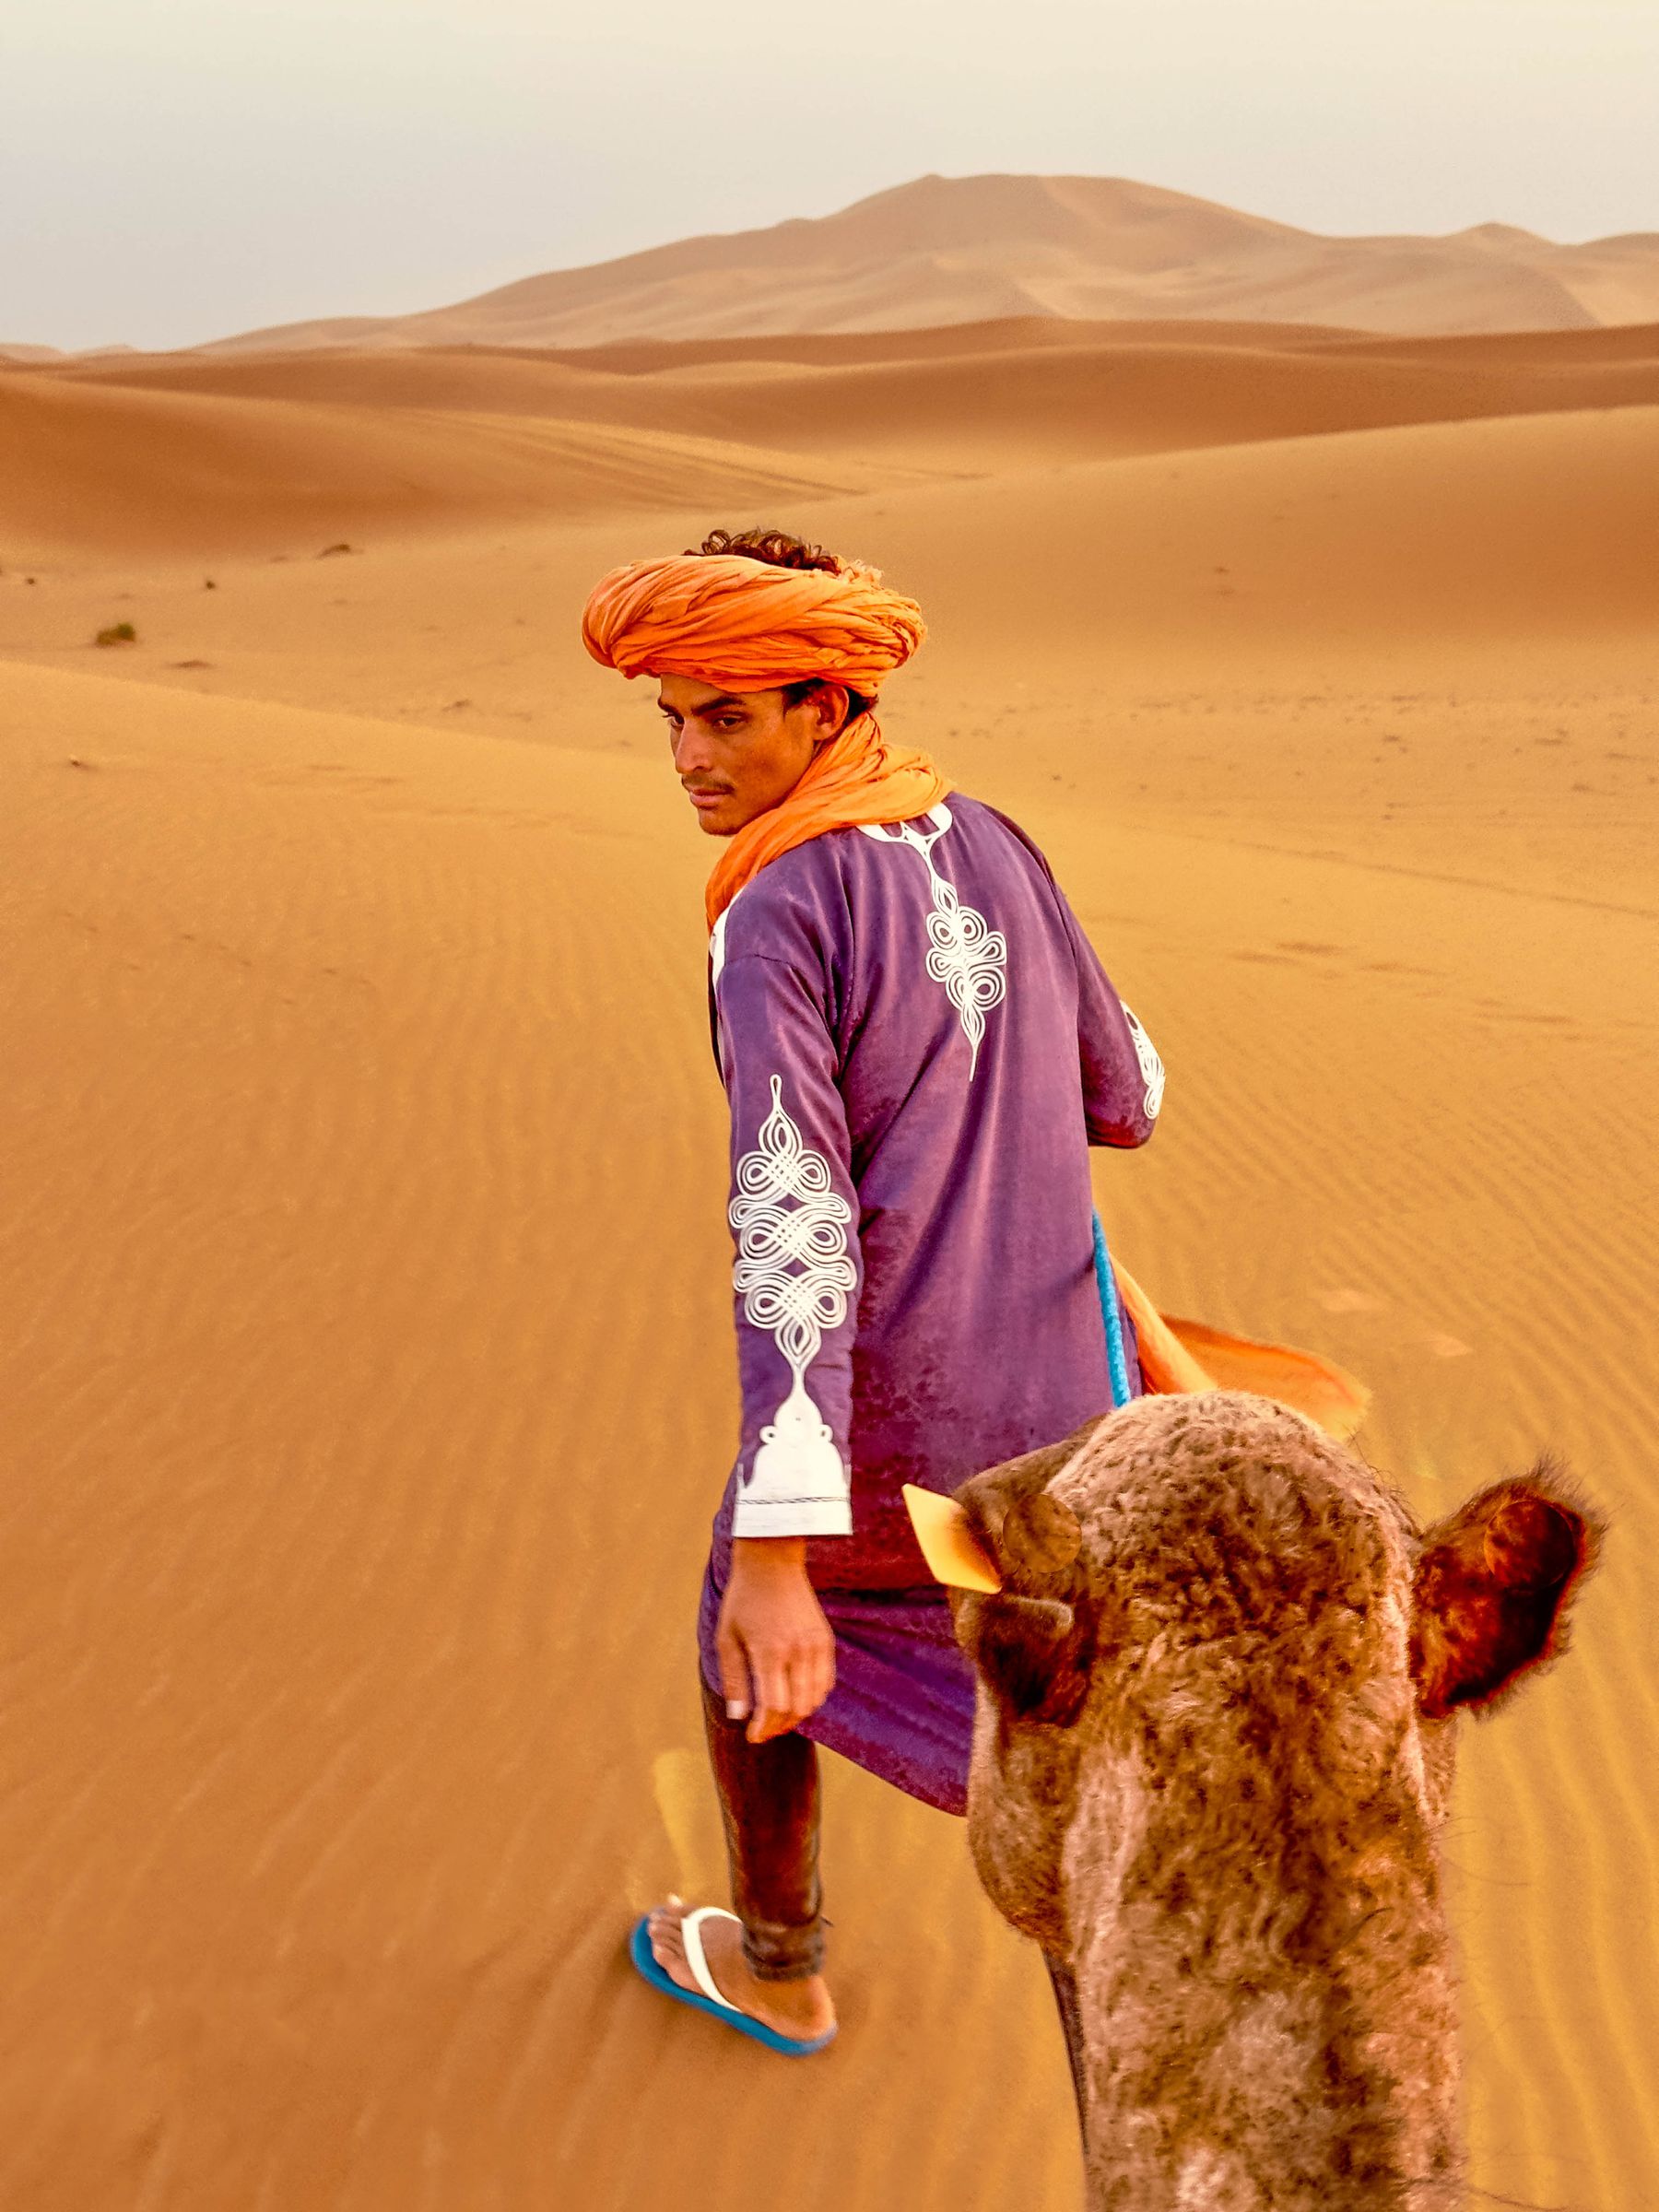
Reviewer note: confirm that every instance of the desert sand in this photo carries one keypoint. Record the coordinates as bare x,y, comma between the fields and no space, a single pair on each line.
366,1314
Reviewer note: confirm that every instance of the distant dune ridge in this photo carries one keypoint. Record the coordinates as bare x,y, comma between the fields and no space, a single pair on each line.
942,250
967,249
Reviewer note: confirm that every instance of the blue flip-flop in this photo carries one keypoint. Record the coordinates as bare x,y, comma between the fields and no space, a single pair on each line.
710,1999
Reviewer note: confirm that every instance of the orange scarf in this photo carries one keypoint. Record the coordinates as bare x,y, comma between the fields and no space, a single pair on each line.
855,777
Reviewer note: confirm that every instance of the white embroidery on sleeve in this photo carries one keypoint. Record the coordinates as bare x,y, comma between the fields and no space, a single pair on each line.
795,1274
717,959
717,937
1151,1066
970,959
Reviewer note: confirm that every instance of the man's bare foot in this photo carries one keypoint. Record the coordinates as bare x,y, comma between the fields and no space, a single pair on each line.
800,2009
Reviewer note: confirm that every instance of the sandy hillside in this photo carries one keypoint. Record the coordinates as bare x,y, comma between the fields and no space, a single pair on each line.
180,453
961,249
363,1297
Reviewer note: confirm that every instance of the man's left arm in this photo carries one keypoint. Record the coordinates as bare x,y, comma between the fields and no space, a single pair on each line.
1122,1075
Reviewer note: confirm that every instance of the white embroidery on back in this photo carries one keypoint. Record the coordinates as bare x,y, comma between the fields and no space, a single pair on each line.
796,1276
970,959
1151,1066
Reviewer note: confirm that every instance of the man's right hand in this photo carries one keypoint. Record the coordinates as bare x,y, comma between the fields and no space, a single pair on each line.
776,1650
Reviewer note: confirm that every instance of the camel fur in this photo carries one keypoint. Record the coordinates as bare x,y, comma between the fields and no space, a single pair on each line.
1213,1747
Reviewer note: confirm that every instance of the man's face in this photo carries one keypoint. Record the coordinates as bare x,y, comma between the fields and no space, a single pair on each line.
738,753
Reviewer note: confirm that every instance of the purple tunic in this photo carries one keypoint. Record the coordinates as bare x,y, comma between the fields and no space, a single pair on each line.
918,1046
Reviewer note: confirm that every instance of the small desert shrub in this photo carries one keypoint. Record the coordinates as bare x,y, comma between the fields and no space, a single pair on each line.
118,633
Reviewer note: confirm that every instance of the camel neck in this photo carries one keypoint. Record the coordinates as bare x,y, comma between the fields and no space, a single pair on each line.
1268,2022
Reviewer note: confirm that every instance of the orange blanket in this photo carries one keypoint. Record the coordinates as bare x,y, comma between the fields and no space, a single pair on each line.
1189,1355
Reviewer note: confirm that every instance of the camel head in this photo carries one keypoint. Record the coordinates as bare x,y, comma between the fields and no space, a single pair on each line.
1219,1684
1213,1612
1211,1755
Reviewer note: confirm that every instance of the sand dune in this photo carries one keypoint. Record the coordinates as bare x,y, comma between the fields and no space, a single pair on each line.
89,465
1463,530
962,249
207,451
459,374
1007,407
364,1311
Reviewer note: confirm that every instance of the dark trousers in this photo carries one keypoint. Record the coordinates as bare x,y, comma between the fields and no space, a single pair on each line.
769,1803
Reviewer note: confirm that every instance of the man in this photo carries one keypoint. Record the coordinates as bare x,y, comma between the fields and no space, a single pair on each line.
918,1046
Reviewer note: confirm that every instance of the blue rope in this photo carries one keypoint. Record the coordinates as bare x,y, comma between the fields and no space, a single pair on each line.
1117,1359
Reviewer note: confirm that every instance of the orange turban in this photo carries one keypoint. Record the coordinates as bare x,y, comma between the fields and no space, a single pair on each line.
743,624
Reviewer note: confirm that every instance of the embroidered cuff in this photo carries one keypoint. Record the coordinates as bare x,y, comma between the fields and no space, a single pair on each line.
791,1516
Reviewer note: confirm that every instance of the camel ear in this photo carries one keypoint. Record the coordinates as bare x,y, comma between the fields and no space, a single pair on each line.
1033,1537
1026,1641
1027,1650
1492,1590
1036,1540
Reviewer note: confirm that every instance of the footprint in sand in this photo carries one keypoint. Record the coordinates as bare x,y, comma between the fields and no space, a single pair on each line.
1350,1302
686,1805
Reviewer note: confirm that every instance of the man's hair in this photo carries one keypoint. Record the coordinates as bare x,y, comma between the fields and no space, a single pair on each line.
781,549
776,546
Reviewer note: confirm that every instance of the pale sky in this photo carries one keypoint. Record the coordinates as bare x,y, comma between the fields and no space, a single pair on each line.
173,171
